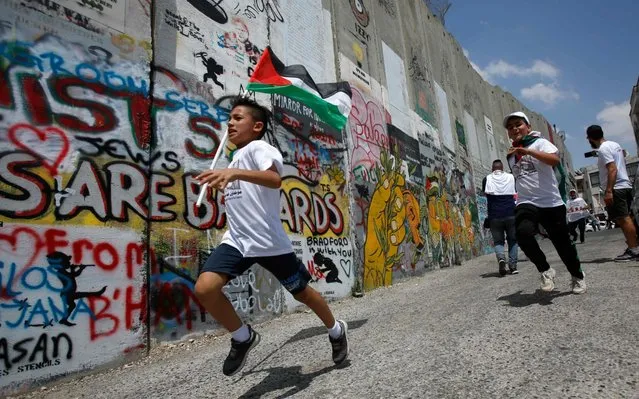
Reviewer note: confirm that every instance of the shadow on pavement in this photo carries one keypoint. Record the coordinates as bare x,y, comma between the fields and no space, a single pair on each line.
294,372
491,274
519,299
284,377
598,260
315,331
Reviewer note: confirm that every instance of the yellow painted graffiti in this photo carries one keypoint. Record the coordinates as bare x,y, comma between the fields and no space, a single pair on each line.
392,209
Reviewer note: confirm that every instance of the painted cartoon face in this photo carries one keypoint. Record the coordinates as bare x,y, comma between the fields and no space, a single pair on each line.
360,12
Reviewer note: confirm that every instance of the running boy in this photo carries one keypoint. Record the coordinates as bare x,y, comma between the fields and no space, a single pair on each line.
531,159
251,186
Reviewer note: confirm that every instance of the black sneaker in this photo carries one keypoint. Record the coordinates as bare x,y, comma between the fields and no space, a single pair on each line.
513,269
340,345
239,351
502,268
627,256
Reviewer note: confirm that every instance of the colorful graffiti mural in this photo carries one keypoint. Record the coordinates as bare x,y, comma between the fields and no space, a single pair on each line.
105,119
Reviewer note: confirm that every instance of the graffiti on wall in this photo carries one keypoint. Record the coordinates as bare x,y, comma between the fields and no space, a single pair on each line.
64,292
314,197
362,19
413,207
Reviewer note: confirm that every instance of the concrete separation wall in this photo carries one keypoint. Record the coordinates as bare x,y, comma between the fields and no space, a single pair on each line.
109,108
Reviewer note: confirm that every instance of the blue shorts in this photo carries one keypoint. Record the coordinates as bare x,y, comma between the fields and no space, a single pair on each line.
287,268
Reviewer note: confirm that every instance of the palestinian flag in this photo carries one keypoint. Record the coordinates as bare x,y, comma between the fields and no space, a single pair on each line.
330,101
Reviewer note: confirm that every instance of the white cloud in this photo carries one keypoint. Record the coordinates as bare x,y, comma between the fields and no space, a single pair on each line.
485,23
547,93
615,121
504,69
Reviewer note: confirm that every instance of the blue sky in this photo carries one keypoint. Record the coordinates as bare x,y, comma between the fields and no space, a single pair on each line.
573,61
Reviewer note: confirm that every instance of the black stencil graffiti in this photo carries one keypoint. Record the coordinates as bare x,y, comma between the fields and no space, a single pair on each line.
60,265
46,352
326,265
43,325
415,69
5,25
389,7
212,9
50,7
213,69
101,54
362,190
120,149
92,4
268,7
183,25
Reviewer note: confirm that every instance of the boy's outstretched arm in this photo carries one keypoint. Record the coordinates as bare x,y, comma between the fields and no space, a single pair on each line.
548,158
220,178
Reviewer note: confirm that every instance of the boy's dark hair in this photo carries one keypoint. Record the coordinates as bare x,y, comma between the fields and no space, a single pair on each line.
258,112
497,163
594,132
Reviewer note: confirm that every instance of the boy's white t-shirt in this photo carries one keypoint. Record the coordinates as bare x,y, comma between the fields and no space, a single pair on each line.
609,151
252,210
536,181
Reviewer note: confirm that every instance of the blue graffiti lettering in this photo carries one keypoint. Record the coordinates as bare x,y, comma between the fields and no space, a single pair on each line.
38,310
8,284
111,76
18,53
21,306
55,64
29,283
94,71
42,312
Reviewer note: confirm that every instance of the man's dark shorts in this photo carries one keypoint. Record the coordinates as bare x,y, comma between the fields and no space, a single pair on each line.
287,268
621,201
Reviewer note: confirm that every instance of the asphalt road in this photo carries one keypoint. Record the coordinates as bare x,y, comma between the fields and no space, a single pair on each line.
462,332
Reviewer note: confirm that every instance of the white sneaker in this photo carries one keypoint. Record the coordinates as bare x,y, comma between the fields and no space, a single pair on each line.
579,285
548,280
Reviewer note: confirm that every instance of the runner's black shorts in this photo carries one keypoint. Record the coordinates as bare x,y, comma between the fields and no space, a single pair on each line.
621,202
287,268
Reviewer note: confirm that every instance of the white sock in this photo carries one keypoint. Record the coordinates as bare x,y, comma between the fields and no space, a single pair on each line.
335,331
635,250
242,334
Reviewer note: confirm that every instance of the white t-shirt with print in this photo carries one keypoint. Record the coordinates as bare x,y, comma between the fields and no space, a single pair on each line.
576,209
535,180
252,210
609,151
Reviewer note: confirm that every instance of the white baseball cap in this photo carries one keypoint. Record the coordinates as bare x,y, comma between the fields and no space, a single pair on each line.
517,114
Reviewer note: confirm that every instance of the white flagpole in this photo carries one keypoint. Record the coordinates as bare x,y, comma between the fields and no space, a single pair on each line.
218,154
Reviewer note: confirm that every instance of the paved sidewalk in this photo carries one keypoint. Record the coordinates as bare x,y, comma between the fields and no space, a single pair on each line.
462,332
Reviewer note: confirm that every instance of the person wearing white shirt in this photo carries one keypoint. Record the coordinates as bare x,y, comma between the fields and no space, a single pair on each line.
531,159
499,187
577,214
251,185
613,177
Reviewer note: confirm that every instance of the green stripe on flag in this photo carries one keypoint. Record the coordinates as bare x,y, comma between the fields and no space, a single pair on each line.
327,112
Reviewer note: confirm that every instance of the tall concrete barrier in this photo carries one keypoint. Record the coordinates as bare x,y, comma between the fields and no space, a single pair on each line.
110,108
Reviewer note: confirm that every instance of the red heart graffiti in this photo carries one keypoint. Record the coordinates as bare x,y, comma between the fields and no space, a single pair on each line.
33,249
43,135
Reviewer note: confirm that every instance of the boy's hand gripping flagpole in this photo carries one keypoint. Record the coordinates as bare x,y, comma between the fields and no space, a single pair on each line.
218,154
